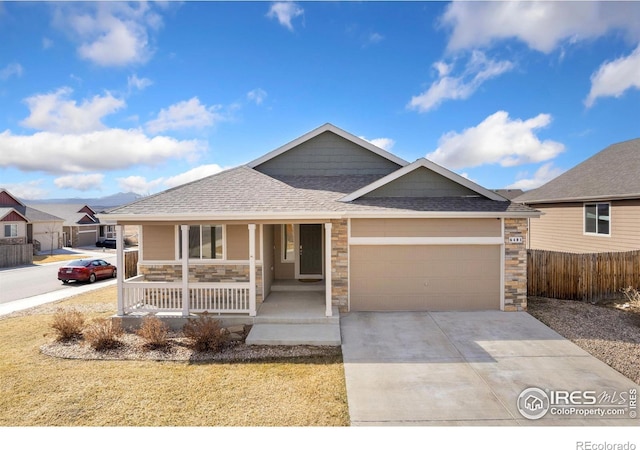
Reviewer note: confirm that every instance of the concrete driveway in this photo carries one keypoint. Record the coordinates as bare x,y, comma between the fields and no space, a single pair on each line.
469,368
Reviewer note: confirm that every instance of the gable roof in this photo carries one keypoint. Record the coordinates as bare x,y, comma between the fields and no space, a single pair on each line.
8,200
613,173
72,213
8,214
318,131
423,163
246,193
236,192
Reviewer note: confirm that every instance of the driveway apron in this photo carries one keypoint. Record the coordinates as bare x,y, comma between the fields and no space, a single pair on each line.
464,368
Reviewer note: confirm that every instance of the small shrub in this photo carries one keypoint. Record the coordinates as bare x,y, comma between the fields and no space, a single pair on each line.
68,324
103,333
205,333
154,332
632,295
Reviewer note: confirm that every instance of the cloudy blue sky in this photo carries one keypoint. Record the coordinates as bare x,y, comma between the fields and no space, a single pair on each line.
99,98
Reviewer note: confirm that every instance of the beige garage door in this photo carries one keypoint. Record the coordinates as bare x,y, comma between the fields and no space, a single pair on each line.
87,238
424,278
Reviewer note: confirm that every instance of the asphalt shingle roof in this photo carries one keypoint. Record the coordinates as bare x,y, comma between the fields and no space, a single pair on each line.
67,211
615,171
243,190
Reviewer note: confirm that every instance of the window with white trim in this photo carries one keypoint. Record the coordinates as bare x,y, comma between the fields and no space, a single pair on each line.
597,218
288,243
205,242
11,230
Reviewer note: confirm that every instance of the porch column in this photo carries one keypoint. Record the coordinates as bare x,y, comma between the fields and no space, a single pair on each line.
120,268
184,229
327,269
252,269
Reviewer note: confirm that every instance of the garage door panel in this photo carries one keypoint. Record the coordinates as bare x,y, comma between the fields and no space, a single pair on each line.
392,278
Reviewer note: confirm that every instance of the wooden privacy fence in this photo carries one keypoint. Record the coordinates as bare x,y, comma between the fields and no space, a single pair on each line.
16,255
130,263
581,276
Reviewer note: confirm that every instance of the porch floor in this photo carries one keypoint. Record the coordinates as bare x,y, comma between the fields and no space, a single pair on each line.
294,317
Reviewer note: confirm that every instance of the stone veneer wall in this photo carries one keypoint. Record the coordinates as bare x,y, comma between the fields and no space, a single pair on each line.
204,273
340,264
515,266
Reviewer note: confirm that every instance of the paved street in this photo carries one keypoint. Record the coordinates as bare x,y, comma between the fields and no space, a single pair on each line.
26,282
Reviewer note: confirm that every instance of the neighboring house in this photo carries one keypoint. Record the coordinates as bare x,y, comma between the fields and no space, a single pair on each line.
81,226
509,194
594,207
22,224
382,234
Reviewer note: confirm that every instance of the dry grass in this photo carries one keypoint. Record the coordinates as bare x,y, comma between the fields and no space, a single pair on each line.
44,259
38,390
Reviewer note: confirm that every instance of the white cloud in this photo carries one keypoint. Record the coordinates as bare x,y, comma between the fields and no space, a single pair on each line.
86,182
110,33
285,12
193,175
375,38
542,25
496,140
11,70
613,78
57,113
544,174
133,82
90,152
477,70
257,96
383,143
186,114
140,185
47,43
29,190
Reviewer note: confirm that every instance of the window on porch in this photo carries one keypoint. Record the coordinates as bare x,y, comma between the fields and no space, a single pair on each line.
205,242
288,243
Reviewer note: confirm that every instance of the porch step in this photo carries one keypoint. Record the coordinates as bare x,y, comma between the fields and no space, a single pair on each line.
297,285
295,317
294,334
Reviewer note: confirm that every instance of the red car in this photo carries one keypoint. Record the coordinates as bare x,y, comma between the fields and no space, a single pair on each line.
86,270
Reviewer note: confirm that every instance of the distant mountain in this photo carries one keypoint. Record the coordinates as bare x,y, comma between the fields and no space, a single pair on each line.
110,201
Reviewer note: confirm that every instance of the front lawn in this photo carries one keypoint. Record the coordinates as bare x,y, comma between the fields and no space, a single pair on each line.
39,390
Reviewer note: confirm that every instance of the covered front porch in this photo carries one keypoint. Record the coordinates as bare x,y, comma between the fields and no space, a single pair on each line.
231,288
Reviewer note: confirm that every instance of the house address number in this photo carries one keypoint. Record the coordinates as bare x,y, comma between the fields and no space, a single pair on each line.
515,240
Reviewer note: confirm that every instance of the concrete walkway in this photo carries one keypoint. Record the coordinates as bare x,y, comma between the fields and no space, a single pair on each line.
467,368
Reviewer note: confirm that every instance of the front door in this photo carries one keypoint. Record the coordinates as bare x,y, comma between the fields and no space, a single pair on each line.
310,249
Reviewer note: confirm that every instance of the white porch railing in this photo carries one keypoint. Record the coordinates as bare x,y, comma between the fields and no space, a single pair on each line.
162,296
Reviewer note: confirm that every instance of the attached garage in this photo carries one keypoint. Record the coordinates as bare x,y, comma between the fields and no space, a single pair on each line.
87,237
425,278
425,265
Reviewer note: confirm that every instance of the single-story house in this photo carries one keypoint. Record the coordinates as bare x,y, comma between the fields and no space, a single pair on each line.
592,208
22,224
381,234
81,225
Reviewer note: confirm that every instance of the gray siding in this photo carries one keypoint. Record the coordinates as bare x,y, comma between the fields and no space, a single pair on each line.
421,182
327,155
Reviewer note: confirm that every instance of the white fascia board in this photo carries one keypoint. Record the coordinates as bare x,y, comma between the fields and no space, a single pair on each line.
288,216
332,128
12,196
422,162
12,209
439,240
442,215
583,199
